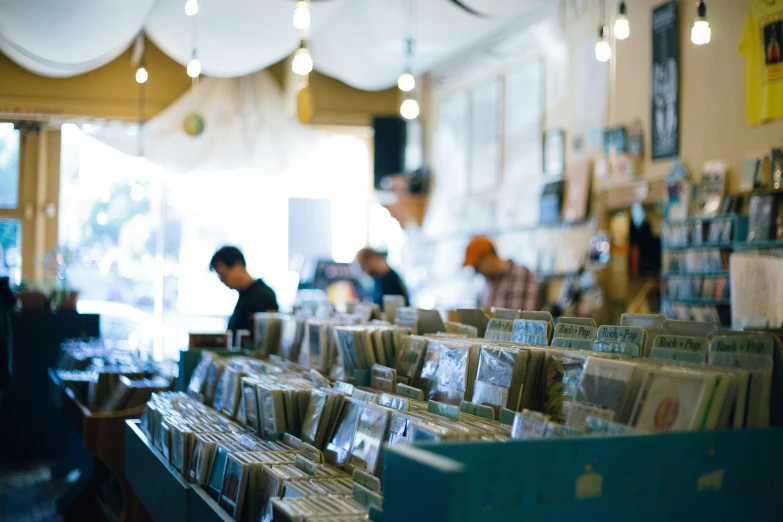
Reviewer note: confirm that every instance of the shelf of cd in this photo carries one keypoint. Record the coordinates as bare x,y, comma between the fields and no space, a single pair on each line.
722,245
550,276
698,301
719,273
678,477
722,232
159,486
697,219
756,245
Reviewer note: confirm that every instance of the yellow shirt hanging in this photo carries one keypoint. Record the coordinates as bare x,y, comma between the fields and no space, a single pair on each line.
762,46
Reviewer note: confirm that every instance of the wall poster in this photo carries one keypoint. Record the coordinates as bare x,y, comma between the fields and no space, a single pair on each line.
665,135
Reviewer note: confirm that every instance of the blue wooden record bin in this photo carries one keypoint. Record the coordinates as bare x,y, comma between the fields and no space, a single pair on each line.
161,488
716,476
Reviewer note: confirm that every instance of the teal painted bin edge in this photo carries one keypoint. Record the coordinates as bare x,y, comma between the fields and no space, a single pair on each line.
716,476
166,495
159,486
201,507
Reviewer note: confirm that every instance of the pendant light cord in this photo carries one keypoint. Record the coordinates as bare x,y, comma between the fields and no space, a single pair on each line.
142,105
411,24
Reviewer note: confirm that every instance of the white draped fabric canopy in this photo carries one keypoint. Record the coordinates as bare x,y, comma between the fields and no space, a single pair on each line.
246,127
360,42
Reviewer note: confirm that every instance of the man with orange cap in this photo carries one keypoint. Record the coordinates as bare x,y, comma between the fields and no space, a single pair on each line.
508,285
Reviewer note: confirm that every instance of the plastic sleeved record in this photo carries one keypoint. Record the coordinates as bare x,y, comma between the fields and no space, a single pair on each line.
318,342
346,347
496,365
448,395
529,425
428,381
231,389
671,400
427,432
410,357
194,463
339,446
371,428
199,376
383,378
490,395
602,392
177,446
563,373
312,417
251,405
214,378
217,471
273,411
234,484
453,367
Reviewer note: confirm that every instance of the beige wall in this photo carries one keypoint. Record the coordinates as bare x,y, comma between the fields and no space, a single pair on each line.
336,103
712,89
108,92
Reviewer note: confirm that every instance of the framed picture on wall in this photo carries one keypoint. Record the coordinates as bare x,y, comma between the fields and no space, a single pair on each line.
665,135
554,152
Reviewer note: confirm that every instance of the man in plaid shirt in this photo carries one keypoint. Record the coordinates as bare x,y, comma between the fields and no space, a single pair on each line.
508,285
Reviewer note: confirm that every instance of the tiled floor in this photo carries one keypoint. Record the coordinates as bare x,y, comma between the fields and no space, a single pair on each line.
27,494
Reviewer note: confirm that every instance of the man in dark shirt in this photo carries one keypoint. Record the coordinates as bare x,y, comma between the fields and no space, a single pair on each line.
254,295
387,281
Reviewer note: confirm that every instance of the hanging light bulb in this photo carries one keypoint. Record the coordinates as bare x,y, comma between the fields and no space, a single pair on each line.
194,67
603,52
622,29
409,109
302,15
302,63
141,74
137,192
406,82
701,32
191,7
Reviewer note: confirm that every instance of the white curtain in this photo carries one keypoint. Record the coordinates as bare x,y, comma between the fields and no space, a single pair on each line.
246,127
361,42
64,38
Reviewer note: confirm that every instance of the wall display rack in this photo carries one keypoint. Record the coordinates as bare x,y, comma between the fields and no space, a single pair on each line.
695,266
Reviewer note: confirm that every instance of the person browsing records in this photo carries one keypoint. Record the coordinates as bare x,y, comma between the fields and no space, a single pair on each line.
254,295
387,281
508,285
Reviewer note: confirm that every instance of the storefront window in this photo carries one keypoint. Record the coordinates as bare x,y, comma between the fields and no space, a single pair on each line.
11,250
144,237
9,166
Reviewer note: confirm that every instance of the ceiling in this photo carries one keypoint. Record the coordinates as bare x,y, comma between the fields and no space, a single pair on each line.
360,42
